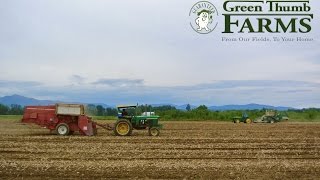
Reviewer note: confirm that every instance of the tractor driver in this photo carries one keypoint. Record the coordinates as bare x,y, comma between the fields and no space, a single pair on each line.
124,113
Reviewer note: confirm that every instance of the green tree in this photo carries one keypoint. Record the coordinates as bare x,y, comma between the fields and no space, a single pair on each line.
188,108
16,109
4,109
100,110
202,107
111,112
91,109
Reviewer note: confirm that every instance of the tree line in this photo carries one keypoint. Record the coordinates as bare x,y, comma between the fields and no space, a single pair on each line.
168,112
202,112
13,109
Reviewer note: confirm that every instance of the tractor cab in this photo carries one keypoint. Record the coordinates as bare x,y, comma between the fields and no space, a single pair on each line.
126,111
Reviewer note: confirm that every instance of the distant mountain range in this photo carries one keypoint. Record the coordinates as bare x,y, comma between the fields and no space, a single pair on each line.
23,101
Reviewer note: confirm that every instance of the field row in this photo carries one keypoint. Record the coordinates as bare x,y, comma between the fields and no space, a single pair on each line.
183,150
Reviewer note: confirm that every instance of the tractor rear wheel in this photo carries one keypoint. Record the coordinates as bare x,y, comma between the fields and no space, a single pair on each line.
63,129
153,131
122,128
248,121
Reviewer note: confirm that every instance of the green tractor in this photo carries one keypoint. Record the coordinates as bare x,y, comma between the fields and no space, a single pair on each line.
272,116
244,118
129,120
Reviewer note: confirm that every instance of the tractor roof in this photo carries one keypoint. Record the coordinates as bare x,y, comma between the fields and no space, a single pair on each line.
126,106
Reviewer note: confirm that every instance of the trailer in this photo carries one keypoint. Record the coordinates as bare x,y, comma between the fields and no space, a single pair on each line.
64,119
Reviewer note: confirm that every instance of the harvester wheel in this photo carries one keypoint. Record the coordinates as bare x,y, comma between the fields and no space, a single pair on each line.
123,128
271,120
248,121
62,129
154,131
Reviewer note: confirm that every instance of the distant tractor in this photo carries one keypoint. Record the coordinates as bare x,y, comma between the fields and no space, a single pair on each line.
272,116
244,118
129,120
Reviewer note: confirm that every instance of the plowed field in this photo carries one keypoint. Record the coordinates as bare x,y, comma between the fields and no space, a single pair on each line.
190,150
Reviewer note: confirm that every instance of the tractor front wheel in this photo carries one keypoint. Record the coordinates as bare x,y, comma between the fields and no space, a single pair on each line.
62,129
236,121
123,128
154,131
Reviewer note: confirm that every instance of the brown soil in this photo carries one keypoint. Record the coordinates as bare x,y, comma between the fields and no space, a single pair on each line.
184,150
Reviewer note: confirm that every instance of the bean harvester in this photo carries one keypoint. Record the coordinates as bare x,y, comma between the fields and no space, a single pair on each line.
272,116
65,119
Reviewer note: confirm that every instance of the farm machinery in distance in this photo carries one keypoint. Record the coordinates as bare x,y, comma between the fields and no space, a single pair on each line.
65,119
244,118
272,116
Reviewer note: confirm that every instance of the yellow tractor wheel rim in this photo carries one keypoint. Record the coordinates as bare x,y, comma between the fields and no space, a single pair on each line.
153,131
248,121
123,128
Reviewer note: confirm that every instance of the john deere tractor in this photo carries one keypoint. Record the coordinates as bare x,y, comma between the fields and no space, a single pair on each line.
129,120
244,118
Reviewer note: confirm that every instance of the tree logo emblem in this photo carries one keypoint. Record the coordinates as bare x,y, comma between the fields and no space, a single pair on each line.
203,17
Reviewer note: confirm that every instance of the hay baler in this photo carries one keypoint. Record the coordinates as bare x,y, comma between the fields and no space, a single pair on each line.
64,119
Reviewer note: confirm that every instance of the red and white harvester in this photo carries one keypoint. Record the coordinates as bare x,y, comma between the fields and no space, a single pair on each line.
64,119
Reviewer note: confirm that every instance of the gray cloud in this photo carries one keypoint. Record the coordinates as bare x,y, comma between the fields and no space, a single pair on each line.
77,79
119,82
287,93
227,84
19,84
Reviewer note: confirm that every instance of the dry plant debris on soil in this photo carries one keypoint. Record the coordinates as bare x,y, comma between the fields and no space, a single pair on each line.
191,150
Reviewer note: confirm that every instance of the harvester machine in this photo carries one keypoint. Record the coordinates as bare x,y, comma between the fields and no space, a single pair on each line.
64,119
272,116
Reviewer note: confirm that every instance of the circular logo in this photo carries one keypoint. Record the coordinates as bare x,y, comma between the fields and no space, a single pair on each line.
203,17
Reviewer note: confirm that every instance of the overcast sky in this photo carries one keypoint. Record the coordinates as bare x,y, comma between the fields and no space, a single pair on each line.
115,52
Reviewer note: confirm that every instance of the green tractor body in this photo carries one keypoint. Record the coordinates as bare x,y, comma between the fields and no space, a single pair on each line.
244,118
272,116
129,120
